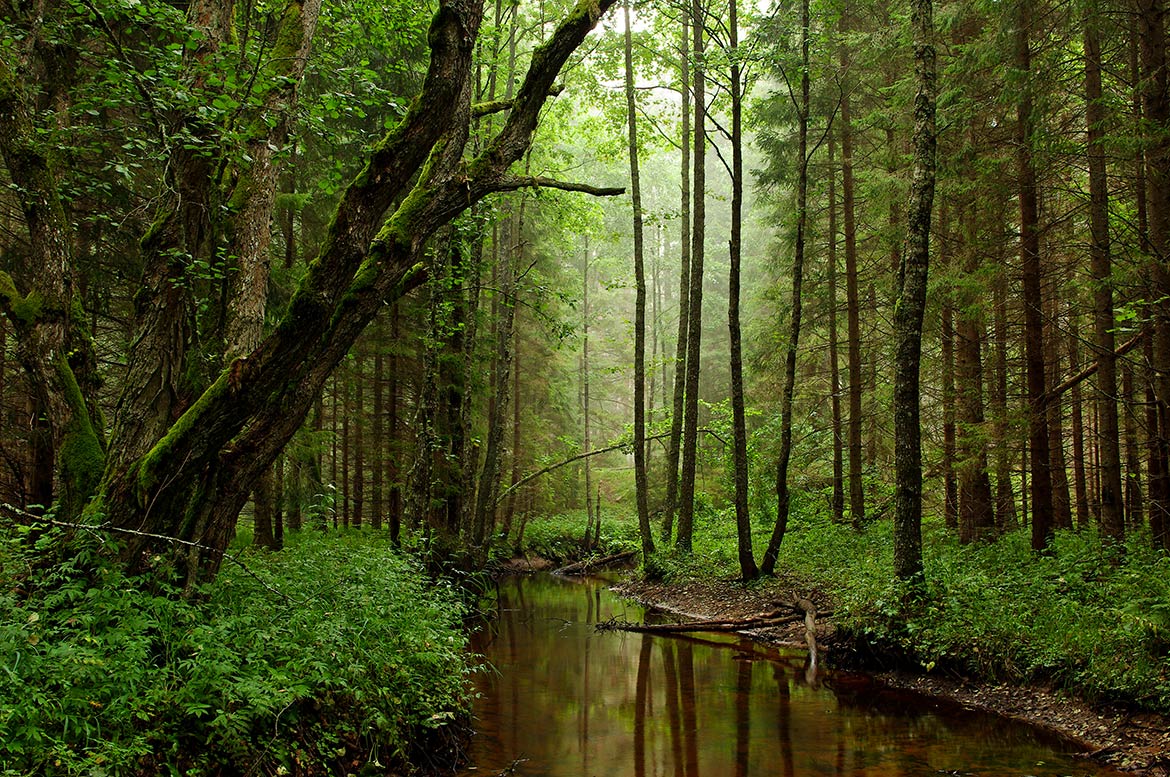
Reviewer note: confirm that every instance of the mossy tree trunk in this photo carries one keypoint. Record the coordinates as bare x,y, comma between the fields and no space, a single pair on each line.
193,479
911,304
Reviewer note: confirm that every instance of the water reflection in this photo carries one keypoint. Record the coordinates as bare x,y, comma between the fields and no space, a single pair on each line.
577,703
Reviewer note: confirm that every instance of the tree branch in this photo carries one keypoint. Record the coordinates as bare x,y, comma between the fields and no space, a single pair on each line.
479,110
1091,370
608,449
512,183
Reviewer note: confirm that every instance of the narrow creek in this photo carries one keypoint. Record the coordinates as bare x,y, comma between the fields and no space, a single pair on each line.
564,700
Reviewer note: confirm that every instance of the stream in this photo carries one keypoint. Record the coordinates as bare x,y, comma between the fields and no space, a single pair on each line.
565,700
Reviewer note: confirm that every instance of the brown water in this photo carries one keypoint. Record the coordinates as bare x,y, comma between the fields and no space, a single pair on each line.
568,701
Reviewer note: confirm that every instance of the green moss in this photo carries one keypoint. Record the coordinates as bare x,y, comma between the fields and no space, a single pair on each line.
159,457
289,37
25,309
80,457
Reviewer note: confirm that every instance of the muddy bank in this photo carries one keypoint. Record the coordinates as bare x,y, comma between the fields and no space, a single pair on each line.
1134,741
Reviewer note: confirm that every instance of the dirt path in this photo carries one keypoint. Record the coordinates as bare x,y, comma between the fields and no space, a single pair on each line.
1136,742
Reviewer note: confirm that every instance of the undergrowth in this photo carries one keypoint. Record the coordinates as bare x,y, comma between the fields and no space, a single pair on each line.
561,538
332,656
1084,617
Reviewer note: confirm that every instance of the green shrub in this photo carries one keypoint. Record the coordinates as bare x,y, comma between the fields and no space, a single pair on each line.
334,652
561,538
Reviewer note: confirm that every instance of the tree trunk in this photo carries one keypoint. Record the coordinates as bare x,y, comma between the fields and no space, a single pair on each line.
1077,430
378,448
1110,505
782,496
1038,438
1061,503
53,346
911,304
684,298
1005,500
393,468
976,512
837,503
1134,517
690,439
358,490
1156,105
743,524
640,485
950,483
853,307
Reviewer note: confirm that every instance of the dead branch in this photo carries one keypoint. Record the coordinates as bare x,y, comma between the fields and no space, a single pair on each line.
607,449
692,626
586,566
1091,370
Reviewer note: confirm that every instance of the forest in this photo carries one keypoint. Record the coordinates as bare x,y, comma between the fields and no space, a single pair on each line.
313,312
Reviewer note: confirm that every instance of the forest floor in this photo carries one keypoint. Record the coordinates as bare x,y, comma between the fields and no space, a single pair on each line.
1134,741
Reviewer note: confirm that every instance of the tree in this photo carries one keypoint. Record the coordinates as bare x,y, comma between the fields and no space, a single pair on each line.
802,162
743,525
690,437
911,305
641,487
684,300
1038,437
187,478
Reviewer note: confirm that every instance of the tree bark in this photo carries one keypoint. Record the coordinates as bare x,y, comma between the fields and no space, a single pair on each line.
1110,497
950,482
1156,106
852,305
684,298
911,304
640,485
1038,438
743,524
837,502
976,511
782,493
686,517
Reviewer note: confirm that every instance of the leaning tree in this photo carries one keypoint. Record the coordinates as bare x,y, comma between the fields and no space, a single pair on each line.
175,467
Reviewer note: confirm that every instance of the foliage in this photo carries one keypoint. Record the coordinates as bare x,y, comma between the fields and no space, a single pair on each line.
560,538
331,654
1085,618
1081,618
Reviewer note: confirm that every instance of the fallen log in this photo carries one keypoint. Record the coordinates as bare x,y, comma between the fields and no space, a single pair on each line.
584,567
733,624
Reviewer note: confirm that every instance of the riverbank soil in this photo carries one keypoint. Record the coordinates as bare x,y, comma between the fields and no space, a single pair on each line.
1138,742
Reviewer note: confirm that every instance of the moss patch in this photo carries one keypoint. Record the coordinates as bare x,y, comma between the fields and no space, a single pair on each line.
80,457
159,456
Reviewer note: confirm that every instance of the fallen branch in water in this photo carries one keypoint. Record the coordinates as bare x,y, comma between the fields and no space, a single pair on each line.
589,564
810,636
787,613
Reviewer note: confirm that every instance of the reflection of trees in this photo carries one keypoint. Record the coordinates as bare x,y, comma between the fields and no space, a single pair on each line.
686,687
743,721
670,669
784,720
641,709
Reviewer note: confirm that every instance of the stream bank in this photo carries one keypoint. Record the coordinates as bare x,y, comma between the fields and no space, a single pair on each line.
1135,741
